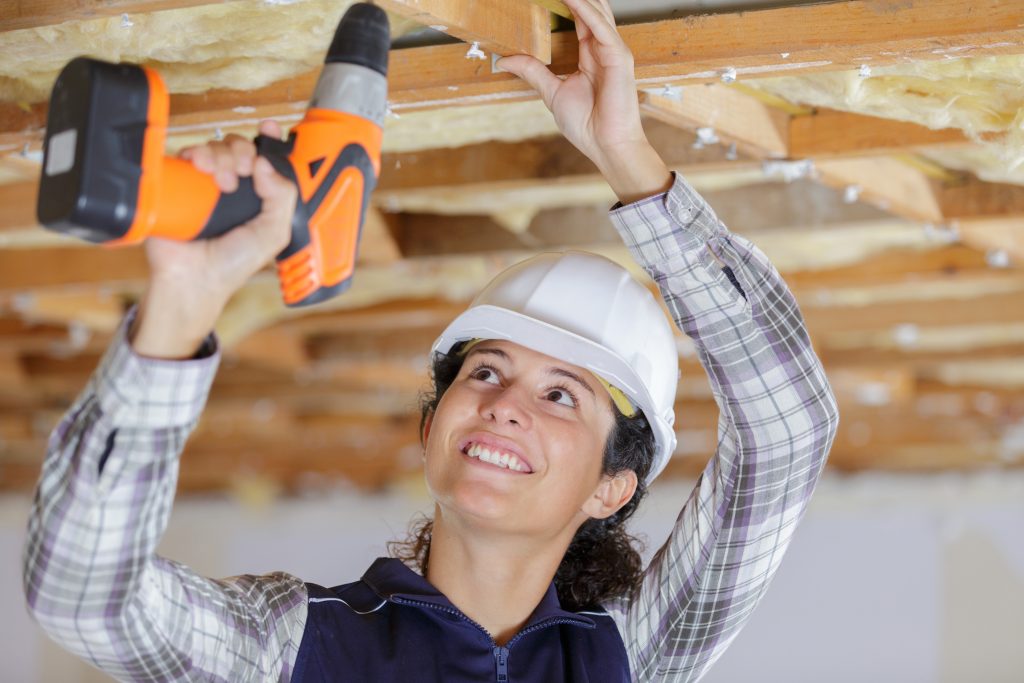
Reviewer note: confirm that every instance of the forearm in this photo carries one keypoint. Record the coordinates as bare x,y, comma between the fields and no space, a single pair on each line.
778,419
105,495
172,325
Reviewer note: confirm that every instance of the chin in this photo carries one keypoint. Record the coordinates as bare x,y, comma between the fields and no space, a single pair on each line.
477,501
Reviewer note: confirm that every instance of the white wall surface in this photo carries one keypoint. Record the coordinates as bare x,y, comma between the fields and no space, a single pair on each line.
901,579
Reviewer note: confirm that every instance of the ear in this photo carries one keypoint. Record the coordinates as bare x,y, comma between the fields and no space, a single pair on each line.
426,427
611,494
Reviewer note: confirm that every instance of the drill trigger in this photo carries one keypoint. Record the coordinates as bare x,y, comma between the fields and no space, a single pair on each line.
277,151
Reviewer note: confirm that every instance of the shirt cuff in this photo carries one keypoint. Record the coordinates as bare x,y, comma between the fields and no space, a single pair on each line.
136,391
658,227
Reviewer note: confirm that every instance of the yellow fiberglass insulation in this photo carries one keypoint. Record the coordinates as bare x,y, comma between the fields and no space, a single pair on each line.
239,45
980,95
242,45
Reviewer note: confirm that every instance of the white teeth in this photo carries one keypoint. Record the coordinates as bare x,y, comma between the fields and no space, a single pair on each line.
496,458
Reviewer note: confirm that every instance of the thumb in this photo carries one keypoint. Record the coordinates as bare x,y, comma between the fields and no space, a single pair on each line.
279,196
533,71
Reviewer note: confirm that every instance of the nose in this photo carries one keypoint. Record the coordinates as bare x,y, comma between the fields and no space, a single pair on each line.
506,407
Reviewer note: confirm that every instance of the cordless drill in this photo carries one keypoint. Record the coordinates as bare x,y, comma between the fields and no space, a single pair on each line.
107,180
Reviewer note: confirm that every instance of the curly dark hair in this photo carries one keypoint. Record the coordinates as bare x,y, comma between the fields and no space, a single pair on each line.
603,559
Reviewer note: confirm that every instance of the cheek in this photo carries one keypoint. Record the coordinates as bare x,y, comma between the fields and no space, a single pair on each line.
438,440
580,455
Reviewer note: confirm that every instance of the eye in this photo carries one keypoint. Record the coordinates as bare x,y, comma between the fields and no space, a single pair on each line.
562,396
485,373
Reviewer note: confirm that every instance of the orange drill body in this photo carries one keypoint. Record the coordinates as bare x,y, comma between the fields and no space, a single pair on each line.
106,177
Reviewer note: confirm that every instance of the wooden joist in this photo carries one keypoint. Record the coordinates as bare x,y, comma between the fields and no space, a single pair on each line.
19,14
720,114
903,188
413,181
784,41
504,27
282,442
734,115
888,183
555,7
827,132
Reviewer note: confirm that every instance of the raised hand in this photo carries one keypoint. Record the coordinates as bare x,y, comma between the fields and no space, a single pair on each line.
596,108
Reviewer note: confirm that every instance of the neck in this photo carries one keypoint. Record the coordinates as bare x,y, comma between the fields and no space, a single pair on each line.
495,580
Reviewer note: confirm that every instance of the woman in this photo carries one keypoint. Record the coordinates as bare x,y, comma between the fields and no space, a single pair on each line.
551,413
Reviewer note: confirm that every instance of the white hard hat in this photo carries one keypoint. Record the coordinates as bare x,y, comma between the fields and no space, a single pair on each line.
587,311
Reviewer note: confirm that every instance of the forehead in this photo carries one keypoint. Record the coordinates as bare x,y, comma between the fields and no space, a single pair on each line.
526,358
522,354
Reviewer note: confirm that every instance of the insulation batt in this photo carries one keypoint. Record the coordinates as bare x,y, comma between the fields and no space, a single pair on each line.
242,45
979,95
249,44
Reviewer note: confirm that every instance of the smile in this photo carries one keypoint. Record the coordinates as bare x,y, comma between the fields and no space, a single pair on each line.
495,457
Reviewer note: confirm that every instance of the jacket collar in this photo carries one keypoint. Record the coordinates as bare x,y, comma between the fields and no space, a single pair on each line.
393,581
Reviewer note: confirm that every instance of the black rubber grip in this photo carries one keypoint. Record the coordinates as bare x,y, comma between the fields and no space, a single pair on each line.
244,204
232,210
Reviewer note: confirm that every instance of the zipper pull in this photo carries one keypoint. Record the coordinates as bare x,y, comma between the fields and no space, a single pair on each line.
501,661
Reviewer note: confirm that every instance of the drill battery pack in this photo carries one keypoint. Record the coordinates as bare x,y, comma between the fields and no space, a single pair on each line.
93,161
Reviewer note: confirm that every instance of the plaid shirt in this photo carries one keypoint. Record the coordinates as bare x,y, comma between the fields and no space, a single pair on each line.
95,584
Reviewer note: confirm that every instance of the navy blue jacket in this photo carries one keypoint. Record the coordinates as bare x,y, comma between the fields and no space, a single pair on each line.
395,626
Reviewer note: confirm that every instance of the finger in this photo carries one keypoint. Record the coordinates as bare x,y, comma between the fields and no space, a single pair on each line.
582,30
201,157
595,21
244,152
533,71
270,128
279,195
225,164
606,8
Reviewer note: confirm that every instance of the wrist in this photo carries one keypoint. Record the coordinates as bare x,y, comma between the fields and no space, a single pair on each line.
634,171
171,323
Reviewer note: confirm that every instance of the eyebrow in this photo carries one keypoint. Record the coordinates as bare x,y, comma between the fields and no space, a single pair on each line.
553,370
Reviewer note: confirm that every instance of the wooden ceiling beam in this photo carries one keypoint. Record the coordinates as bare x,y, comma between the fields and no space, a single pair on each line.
720,114
21,14
827,132
555,7
428,180
987,216
294,451
998,236
902,187
504,27
18,206
783,41
742,116
22,269
886,182
894,267
990,309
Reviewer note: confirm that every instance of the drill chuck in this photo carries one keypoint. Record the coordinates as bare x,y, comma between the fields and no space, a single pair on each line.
363,37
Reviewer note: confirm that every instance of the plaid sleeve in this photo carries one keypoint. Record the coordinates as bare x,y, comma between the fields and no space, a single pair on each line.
778,418
91,576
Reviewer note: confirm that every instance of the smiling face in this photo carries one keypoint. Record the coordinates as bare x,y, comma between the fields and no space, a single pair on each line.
517,442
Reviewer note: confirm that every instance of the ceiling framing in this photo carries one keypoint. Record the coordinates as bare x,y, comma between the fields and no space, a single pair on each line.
908,272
